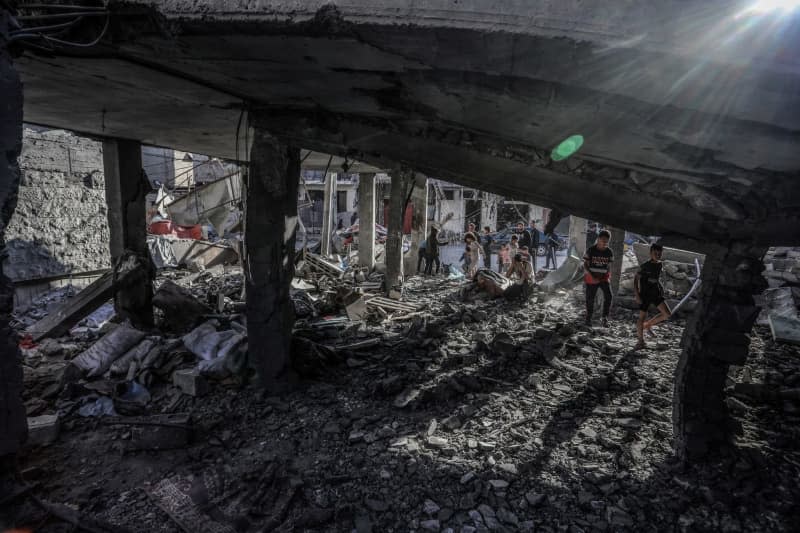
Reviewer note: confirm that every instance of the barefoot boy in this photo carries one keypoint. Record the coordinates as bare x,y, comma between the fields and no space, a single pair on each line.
648,291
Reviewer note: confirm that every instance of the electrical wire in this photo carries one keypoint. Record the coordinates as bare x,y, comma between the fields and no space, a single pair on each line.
83,45
39,29
62,7
64,15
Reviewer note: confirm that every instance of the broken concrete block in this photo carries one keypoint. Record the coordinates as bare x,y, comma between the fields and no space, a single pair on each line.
356,310
785,329
159,432
181,309
43,430
190,382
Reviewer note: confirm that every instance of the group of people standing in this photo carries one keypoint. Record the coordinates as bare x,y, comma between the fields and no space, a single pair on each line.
597,263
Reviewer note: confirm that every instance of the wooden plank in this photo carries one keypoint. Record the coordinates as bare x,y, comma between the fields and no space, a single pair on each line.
59,322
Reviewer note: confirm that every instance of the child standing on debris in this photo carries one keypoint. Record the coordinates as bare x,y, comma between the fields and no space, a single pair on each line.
504,258
472,255
648,291
597,275
522,270
513,248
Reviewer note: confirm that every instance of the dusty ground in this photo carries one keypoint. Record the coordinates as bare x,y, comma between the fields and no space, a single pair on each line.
492,437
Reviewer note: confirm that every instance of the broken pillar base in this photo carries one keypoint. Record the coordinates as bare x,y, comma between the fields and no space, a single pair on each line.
716,337
43,430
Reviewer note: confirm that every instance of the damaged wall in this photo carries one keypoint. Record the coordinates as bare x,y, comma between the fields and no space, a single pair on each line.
60,225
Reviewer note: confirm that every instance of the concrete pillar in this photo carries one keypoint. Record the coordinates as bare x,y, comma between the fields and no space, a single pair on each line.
419,223
366,220
618,249
269,236
126,191
577,235
716,337
393,256
328,213
489,211
13,421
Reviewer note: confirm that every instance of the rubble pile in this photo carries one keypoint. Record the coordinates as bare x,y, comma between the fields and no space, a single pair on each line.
781,301
428,413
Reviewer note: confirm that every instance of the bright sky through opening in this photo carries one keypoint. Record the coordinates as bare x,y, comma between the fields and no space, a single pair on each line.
763,6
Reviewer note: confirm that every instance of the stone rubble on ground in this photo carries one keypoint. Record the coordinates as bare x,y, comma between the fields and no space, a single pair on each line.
484,415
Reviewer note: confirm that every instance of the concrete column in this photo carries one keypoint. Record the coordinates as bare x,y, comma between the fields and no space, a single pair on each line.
577,235
393,256
419,223
328,213
618,249
716,337
126,191
366,220
13,421
270,229
489,211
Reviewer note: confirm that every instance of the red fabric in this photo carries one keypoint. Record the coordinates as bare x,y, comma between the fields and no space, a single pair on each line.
591,280
166,227
26,342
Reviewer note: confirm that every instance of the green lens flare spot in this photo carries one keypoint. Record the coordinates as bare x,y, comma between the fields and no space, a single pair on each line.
567,148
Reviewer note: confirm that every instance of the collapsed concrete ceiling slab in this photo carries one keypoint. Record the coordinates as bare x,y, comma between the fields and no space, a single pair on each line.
690,111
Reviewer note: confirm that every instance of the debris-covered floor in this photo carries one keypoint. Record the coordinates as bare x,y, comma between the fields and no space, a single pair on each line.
460,418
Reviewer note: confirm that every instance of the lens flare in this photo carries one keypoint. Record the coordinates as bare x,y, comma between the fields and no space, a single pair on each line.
763,6
567,148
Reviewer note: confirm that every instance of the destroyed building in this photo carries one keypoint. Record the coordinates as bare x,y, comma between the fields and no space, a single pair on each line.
239,380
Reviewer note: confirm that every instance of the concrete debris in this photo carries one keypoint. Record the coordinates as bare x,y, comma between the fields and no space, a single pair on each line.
190,382
43,430
98,358
427,413
785,329
157,432
181,309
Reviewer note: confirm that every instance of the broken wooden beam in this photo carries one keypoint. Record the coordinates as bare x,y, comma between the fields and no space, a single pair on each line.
390,305
59,322
323,265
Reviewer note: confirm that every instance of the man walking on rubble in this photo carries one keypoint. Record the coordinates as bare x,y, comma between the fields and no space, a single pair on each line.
525,239
597,275
432,251
534,246
487,247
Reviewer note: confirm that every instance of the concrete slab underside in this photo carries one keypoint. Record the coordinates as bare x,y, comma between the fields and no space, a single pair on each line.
686,133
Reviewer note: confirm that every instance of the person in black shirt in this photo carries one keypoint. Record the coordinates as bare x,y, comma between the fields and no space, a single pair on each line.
597,275
534,247
432,251
524,237
648,291
487,247
550,246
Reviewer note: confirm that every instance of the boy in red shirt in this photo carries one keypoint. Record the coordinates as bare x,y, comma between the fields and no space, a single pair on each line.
597,275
